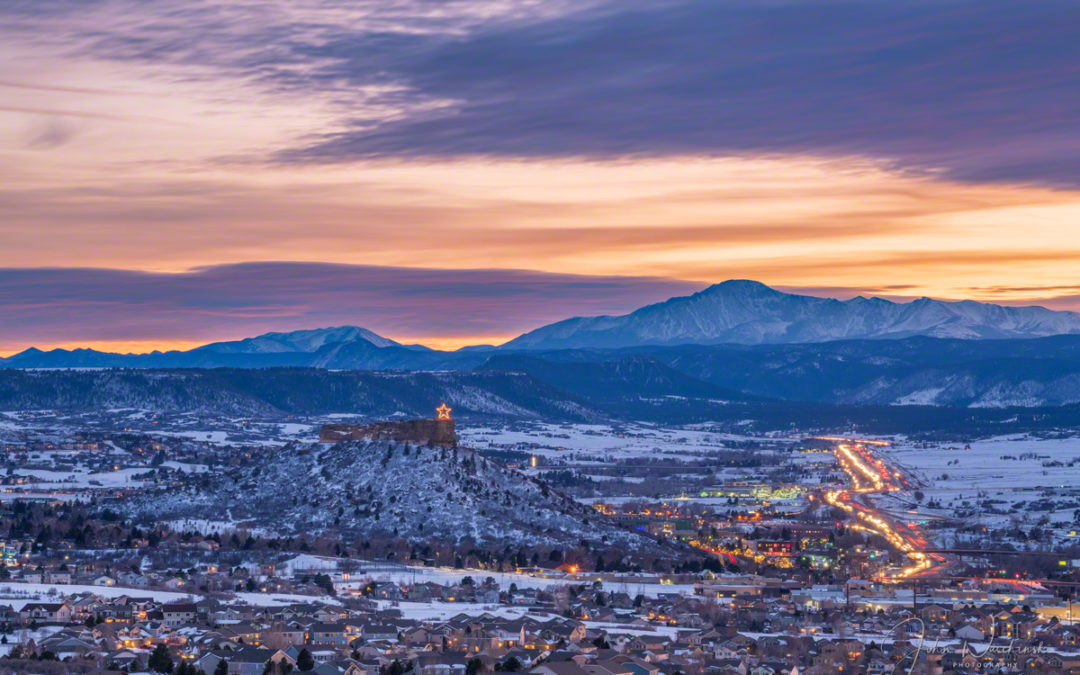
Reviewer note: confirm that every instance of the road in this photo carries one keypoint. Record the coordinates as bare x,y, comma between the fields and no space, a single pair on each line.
871,475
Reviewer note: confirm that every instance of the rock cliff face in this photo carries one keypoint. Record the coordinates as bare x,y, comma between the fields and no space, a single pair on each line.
421,432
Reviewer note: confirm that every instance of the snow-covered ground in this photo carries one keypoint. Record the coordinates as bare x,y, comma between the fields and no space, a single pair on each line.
1002,482
995,463
441,611
443,575
84,479
18,594
600,441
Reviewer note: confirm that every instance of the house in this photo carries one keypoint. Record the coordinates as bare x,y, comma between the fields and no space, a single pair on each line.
134,579
45,611
57,576
252,660
370,631
208,662
33,576
179,614
328,634
441,664
608,667
83,607
387,591
126,659
559,668
103,580
69,643
970,633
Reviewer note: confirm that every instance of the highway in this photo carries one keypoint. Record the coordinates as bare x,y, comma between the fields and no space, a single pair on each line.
870,475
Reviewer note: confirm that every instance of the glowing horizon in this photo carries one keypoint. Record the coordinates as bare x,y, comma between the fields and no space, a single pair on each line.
437,342
187,173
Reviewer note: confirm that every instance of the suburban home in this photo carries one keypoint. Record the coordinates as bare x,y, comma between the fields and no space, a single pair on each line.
45,611
179,614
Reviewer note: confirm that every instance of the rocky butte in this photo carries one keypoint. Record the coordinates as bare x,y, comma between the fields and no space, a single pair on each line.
439,431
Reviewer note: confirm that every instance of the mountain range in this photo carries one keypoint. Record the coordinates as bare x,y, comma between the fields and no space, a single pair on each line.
738,341
732,312
749,312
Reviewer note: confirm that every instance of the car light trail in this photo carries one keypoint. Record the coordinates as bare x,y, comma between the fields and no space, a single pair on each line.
869,474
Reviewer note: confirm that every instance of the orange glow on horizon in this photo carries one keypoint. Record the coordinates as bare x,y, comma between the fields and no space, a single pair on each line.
450,343
165,345
117,347
175,164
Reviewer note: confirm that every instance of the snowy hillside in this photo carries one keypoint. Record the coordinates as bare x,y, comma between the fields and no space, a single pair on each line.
748,312
382,488
279,391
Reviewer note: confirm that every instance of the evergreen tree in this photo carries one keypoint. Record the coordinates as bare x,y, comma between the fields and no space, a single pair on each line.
222,668
304,661
160,660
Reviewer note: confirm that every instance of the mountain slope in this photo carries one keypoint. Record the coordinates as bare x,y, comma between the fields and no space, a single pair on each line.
339,347
280,391
388,489
929,371
748,312
305,341
614,381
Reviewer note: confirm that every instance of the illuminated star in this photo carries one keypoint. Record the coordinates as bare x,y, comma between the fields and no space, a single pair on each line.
443,412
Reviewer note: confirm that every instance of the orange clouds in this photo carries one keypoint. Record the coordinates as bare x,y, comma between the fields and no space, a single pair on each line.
170,165
795,221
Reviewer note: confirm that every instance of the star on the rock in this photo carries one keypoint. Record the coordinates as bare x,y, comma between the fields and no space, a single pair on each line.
443,411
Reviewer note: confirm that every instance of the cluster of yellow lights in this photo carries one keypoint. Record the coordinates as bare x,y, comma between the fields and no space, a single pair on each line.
863,476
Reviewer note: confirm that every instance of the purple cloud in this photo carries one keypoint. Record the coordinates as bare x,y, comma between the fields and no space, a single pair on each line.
982,91
978,90
64,306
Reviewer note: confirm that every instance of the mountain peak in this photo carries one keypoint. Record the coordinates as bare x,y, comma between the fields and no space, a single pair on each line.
739,285
306,340
743,311
735,288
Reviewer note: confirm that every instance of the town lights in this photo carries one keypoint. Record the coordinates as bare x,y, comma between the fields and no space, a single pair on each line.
851,461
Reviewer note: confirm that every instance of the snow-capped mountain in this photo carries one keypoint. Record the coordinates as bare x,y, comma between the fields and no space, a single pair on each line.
319,347
749,312
306,341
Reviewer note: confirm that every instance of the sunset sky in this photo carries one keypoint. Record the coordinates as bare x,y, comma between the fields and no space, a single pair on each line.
459,171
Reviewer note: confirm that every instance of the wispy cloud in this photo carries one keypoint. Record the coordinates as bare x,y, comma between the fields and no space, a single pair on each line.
979,91
47,307
922,148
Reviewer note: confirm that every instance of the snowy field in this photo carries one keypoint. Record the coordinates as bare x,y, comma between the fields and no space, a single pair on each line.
1010,481
18,594
44,478
599,442
1002,463
452,576
442,611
